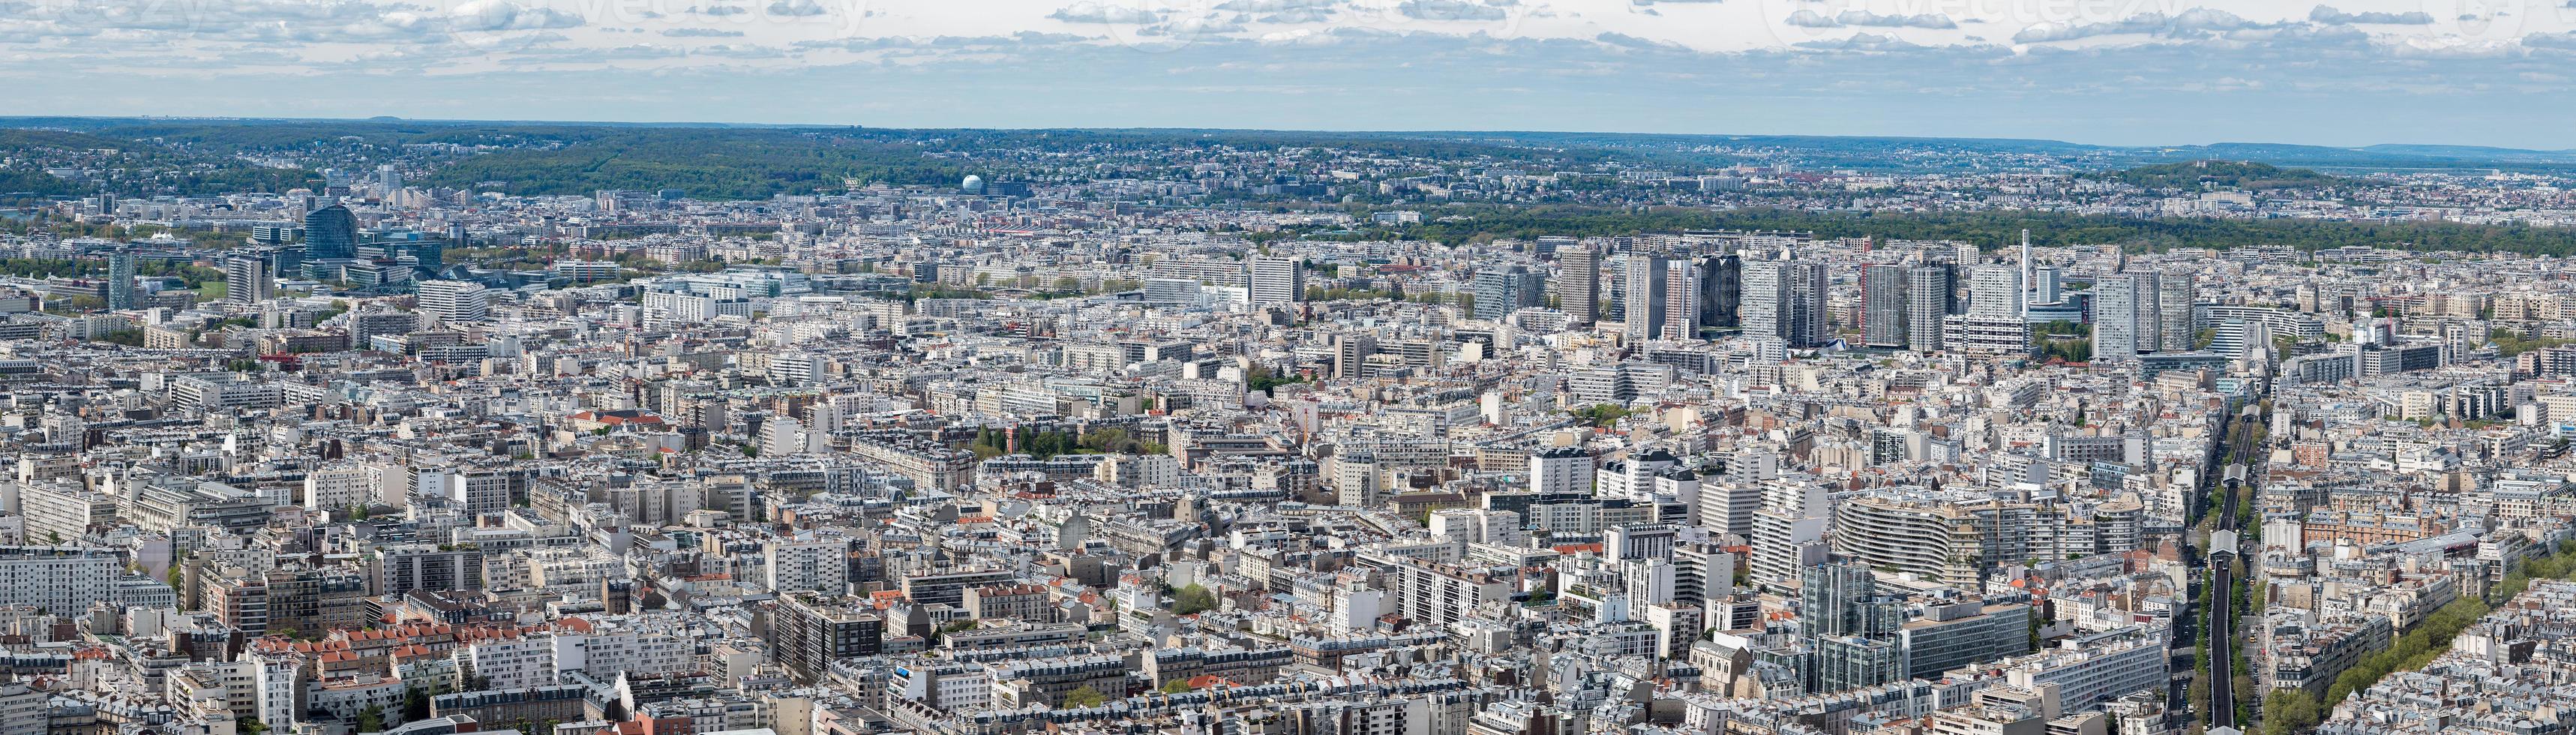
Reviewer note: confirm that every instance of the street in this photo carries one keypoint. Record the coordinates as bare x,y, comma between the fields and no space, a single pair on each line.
2222,558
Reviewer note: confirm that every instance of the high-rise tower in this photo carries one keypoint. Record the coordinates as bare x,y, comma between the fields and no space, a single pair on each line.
1578,286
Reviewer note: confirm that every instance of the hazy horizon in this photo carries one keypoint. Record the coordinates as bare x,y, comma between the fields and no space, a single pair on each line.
757,124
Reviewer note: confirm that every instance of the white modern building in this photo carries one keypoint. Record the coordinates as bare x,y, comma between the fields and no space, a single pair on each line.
456,302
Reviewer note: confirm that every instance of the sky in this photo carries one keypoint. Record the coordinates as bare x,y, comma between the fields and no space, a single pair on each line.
2119,72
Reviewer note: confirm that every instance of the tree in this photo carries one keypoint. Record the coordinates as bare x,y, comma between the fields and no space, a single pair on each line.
2061,339
1260,379
2289,711
77,305
1175,686
1109,440
1047,444
1601,415
2244,687
249,725
1192,600
415,704
2510,343
1085,696
371,719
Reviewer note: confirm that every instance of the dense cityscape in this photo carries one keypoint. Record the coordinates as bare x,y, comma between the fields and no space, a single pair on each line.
427,429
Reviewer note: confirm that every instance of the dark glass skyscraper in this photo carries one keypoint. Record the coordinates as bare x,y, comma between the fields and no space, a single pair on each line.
1851,627
427,254
330,232
1721,286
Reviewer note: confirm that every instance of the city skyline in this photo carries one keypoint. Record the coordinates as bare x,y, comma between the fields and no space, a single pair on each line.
1287,367
368,428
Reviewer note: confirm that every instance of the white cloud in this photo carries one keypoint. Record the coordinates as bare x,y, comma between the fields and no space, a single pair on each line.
2208,19
1298,16
960,41
1864,42
1277,6
1627,41
2197,19
1450,10
1095,12
2554,41
2329,15
1866,18
1805,18
27,31
504,15
1192,27
316,27
795,8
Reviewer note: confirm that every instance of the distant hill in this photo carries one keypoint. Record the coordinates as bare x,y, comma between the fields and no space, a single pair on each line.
2225,174
119,165
169,155
707,161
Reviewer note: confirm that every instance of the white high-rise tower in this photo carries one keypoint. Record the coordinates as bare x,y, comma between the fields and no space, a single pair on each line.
2026,281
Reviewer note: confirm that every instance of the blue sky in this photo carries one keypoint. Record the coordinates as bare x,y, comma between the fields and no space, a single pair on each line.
2098,71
